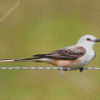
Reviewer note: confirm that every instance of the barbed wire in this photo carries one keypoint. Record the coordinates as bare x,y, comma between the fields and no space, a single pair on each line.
47,68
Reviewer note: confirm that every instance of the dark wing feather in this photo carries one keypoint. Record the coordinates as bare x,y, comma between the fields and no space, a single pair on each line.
64,54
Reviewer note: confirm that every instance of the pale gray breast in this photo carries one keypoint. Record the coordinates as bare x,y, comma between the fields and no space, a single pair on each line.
90,54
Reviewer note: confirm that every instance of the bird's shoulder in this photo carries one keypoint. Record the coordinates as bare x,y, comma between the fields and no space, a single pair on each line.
71,49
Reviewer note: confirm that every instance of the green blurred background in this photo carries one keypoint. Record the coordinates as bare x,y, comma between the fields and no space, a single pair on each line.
42,26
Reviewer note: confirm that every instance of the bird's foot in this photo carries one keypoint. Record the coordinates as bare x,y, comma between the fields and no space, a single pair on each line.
81,69
65,68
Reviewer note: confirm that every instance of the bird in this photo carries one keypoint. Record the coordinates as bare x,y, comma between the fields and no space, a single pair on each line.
75,56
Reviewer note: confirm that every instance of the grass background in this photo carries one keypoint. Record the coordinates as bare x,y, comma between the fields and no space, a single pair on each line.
42,26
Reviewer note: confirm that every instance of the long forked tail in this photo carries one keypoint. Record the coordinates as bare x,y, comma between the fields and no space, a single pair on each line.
14,60
37,58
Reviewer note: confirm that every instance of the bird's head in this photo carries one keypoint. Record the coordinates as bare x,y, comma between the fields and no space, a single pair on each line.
88,40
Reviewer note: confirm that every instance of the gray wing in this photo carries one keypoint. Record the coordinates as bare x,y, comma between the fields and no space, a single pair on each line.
64,54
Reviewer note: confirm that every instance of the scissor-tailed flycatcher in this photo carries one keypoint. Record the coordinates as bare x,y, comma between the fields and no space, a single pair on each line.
76,56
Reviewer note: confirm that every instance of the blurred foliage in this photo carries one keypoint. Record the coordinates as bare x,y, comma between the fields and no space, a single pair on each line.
42,26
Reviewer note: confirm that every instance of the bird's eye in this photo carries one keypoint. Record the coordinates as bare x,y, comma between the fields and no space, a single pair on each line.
88,39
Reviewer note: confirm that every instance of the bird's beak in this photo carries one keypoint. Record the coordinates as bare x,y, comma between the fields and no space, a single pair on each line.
97,40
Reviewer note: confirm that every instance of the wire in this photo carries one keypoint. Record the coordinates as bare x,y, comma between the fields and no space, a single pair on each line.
46,68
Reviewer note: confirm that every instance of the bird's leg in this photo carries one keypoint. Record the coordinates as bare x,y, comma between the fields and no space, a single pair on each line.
81,69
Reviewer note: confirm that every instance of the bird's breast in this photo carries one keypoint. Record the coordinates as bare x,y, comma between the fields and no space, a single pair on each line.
67,63
88,57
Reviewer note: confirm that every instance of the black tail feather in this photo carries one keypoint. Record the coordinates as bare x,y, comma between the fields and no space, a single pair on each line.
26,59
35,57
39,56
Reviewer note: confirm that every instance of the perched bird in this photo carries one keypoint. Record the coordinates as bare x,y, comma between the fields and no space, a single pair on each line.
76,56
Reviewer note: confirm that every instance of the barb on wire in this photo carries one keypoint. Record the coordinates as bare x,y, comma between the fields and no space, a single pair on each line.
47,68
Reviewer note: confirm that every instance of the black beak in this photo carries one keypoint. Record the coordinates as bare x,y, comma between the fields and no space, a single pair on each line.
97,40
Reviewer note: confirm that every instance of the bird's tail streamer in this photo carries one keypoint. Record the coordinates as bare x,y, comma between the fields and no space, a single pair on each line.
14,60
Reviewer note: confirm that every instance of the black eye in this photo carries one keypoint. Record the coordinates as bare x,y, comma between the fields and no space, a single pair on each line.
88,39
